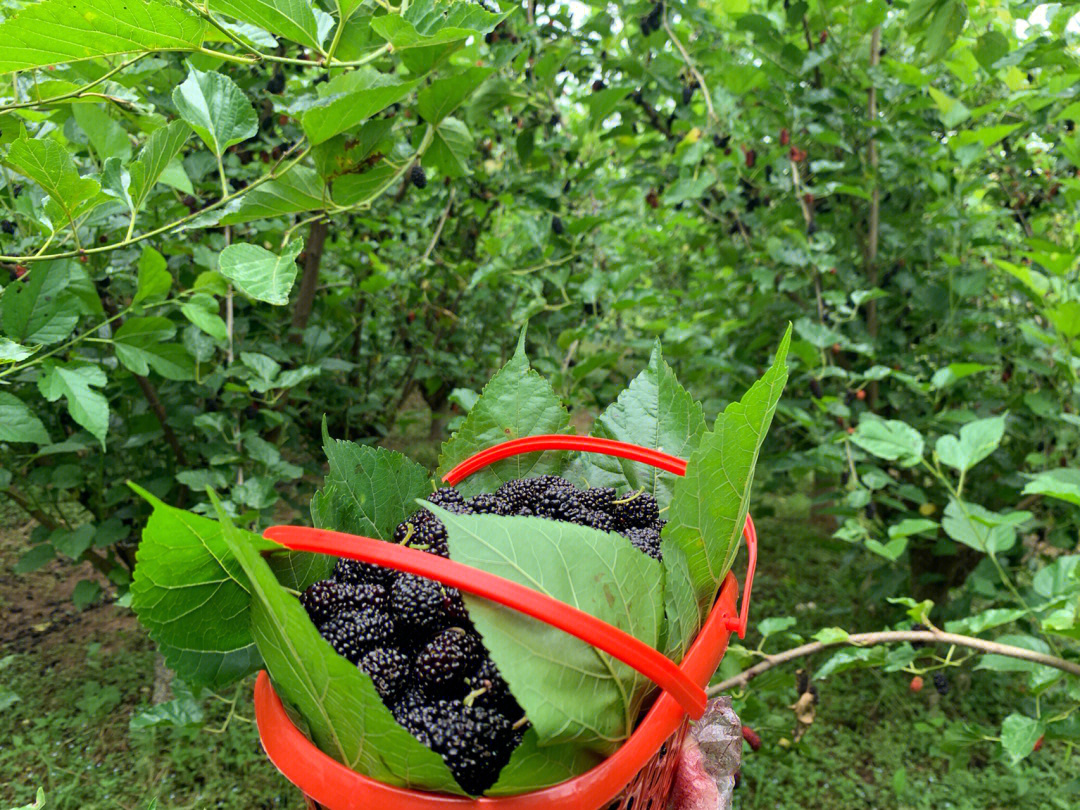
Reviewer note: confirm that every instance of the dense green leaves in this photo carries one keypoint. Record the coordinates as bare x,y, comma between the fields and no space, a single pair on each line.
55,31
977,440
156,156
654,411
349,100
1063,484
1019,735
18,423
569,690
48,164
193,596
889,439
300,189
154,278
292,19
37,310
77,384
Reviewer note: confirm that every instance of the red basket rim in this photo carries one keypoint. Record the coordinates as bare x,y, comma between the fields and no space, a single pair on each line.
683,693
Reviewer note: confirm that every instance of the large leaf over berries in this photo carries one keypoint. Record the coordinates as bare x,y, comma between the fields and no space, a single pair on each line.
345,715
516,402
654,411
571,692
368,491
193,597
57,31
709,505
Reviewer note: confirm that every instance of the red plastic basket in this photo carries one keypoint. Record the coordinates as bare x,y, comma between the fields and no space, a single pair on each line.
638,775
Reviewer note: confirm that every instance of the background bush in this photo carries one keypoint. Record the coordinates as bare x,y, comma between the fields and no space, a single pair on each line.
215,233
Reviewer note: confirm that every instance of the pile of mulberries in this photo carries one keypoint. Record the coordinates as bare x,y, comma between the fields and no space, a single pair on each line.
413,636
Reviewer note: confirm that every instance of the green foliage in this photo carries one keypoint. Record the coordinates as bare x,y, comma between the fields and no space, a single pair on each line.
654,411
720,173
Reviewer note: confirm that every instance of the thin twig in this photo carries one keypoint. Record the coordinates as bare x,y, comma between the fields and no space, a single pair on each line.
439,228
73,93
875,205
691,66
894,637
272,175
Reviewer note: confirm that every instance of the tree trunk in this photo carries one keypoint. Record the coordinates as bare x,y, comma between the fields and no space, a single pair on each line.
313,251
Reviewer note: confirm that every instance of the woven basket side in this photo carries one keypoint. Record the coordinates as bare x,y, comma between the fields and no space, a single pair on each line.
649,790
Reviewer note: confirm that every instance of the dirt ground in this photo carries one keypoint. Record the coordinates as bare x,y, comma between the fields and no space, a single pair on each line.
38,607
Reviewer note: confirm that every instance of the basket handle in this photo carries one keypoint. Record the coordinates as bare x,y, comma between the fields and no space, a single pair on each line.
633,652
609,447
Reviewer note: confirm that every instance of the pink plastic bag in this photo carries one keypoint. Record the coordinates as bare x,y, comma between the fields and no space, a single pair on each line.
710,758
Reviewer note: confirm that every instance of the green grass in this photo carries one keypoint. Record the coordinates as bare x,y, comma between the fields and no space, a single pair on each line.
873,744
69,734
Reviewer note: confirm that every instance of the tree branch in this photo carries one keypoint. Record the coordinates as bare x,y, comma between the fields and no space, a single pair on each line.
894,637
692,67
313,252
439,228
875,205
162,415
273,174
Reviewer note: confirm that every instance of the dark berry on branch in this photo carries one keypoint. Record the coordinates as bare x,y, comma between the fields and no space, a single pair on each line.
687,93
418,176
941,683
7,226
276,83
557,226
815,388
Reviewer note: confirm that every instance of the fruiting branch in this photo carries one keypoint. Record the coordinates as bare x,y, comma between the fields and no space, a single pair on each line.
894,637
273,174
692,67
